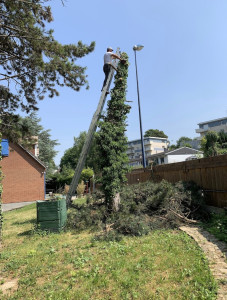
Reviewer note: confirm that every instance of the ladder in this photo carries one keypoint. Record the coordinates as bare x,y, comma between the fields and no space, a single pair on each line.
90,134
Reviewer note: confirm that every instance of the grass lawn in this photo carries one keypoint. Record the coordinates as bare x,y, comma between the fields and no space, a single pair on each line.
70,265
217,225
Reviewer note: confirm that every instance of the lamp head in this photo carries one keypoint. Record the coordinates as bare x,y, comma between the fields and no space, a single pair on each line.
138,47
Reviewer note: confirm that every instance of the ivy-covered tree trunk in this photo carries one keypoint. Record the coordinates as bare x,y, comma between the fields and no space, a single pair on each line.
111,139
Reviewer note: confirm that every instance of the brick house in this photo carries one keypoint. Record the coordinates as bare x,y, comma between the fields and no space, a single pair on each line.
24,174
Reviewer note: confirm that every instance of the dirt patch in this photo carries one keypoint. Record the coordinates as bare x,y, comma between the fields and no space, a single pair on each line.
9,286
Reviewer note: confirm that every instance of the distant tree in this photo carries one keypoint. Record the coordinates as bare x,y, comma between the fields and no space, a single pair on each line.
24,131
65,176
183,142
71,155
32,62
155,133
209,144
47,150
86,174
222,139
172,147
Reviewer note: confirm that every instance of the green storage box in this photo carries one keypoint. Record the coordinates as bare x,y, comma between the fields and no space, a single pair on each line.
51,215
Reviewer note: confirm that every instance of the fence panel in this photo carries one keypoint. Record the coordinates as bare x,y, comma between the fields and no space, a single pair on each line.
209,173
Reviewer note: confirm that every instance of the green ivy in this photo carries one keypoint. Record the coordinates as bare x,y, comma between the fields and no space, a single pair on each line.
111,139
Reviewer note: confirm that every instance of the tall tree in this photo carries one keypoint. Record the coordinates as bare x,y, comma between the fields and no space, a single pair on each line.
32,62
155,133
111,139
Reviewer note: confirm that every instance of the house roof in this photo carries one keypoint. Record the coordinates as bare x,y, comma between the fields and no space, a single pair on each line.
183,150
33,156
179,151
207,122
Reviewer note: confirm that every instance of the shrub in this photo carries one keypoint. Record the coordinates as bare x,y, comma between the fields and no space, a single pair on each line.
132,225
80,188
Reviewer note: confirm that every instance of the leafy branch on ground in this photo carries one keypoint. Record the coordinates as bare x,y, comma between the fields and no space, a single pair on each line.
144,207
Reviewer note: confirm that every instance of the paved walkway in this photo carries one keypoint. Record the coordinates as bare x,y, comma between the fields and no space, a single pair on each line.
216,253
11,206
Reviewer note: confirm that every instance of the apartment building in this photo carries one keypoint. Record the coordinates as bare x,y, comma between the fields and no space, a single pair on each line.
213,125
152,145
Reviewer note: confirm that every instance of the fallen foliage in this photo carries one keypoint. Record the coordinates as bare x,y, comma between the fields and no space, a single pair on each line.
143,207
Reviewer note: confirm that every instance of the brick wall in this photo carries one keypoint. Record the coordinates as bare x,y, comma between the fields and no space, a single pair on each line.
23,176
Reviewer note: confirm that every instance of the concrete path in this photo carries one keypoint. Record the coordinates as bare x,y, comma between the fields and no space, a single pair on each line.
11,206
216,253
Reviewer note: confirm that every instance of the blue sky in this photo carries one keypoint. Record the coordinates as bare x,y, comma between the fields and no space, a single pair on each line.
182,68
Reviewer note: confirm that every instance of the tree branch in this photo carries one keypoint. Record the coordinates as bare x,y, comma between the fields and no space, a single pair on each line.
11,77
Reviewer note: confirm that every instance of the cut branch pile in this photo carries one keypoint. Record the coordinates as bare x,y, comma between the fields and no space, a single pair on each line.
144,207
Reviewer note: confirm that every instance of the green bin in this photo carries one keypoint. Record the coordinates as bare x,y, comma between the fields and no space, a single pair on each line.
51,215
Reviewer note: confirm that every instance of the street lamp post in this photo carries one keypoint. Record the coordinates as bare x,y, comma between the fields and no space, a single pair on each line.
137,48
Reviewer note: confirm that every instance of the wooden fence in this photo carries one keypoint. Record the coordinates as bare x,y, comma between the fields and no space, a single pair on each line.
209,173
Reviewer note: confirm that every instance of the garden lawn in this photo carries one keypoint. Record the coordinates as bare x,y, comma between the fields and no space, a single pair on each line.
70,265
217,225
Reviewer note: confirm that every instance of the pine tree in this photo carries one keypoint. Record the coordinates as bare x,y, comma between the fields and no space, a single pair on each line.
32,62
111,139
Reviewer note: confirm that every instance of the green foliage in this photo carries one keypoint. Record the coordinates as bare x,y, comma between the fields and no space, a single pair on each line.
182,142
111,139
155,133
59,180
167,264
214,143
86,174
80,188
65,177
33,63
24,131
71,155
222,139
143,207
172,147
132,225
217,225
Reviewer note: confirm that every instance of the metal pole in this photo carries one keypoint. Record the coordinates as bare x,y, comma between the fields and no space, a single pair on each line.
141,129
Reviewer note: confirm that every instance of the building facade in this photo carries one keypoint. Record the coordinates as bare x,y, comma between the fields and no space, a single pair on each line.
152,145
23,174
213,125
177,155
